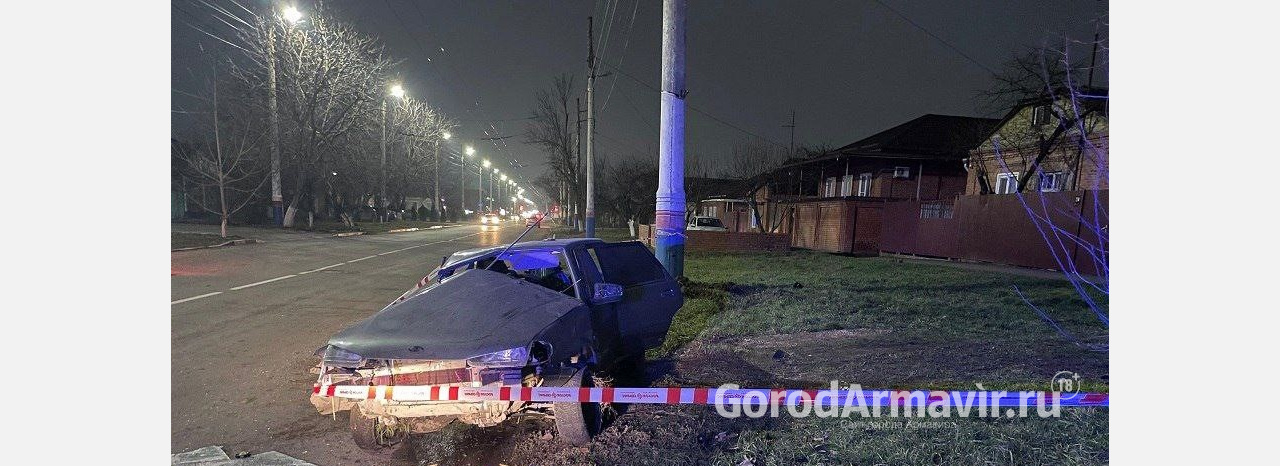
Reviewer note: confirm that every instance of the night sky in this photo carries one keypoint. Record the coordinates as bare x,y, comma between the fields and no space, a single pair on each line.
848,69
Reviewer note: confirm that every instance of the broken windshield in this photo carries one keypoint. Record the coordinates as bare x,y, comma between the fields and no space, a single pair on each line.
546,267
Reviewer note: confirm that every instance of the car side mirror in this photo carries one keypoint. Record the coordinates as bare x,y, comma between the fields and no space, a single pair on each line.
606,293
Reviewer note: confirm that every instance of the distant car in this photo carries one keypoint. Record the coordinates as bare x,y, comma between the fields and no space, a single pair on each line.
490,219
543,313
706,224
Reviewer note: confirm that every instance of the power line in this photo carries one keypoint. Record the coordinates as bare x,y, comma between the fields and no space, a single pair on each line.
695,109
939,39
625,44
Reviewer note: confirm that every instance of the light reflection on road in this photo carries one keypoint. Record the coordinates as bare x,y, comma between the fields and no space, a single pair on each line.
490,235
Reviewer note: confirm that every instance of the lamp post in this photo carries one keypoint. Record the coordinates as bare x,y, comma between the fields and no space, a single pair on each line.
491,175
462,195
290,15
502,186
397,92
435,202
480,184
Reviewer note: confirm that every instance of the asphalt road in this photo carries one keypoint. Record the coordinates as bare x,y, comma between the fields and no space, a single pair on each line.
247,319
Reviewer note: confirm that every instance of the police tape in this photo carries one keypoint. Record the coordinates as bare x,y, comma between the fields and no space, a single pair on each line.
709,396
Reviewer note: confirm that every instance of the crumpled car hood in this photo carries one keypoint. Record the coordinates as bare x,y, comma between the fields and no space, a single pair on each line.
474,312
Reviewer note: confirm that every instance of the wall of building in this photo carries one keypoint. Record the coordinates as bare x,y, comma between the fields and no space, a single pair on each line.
999,229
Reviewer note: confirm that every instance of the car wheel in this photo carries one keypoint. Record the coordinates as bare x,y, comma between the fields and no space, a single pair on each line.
577,422
369,433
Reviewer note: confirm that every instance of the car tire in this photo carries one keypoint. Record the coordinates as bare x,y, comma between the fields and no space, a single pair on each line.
577,422
364,431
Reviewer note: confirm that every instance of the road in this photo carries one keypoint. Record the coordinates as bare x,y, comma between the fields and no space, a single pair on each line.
247,319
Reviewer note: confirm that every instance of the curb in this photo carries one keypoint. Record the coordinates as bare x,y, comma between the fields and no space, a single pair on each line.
350,233
233,242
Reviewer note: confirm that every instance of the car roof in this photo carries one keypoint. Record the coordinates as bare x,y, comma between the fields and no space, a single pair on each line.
534,244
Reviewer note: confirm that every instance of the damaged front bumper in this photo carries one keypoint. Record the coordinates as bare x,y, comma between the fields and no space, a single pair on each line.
418,377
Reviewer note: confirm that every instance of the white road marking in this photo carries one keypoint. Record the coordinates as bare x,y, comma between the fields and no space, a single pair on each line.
241,287
193,298
321,268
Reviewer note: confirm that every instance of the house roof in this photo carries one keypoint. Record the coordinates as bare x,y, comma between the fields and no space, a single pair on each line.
717,187
928,136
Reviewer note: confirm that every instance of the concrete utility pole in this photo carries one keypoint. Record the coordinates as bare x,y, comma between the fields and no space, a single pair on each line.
591,84
277,199
578,174
669,237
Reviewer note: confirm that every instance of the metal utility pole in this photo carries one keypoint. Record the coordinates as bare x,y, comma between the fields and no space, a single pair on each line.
435,202
382,202
591,84
793,133
462,190
669,237
277,199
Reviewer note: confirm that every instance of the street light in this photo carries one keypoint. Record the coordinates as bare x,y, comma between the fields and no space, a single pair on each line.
291,14
471,150
397,92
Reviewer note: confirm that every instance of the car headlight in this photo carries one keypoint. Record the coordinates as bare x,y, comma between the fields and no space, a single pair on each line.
335,356
514,357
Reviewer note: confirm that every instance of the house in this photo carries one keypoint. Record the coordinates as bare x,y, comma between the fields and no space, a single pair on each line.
833,202
1047,144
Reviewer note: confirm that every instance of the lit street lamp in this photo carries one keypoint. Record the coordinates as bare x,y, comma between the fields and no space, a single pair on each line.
397,92
292,16
462,195
480,185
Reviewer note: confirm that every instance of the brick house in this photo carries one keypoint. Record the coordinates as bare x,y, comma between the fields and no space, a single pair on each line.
833,202
1041,144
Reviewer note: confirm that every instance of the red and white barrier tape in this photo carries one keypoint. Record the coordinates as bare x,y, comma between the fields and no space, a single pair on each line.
707,396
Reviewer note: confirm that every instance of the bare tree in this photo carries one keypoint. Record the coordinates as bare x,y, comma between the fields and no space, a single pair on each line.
550,129
1044,77
331,82
227,158
1078,110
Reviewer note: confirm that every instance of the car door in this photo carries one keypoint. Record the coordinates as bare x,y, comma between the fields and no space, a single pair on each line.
650,297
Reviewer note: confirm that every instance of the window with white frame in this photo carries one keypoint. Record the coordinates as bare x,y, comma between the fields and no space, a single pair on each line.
1007,183
846,185
829,187
864,184
1052,182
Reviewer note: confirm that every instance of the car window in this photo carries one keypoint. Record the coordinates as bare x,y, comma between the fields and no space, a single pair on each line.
627,264
546,267
709,222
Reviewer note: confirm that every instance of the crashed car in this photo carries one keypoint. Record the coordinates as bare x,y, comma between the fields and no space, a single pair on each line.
554,313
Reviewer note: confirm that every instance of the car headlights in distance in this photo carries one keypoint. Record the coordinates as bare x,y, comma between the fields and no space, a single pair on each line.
335,356
514,357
